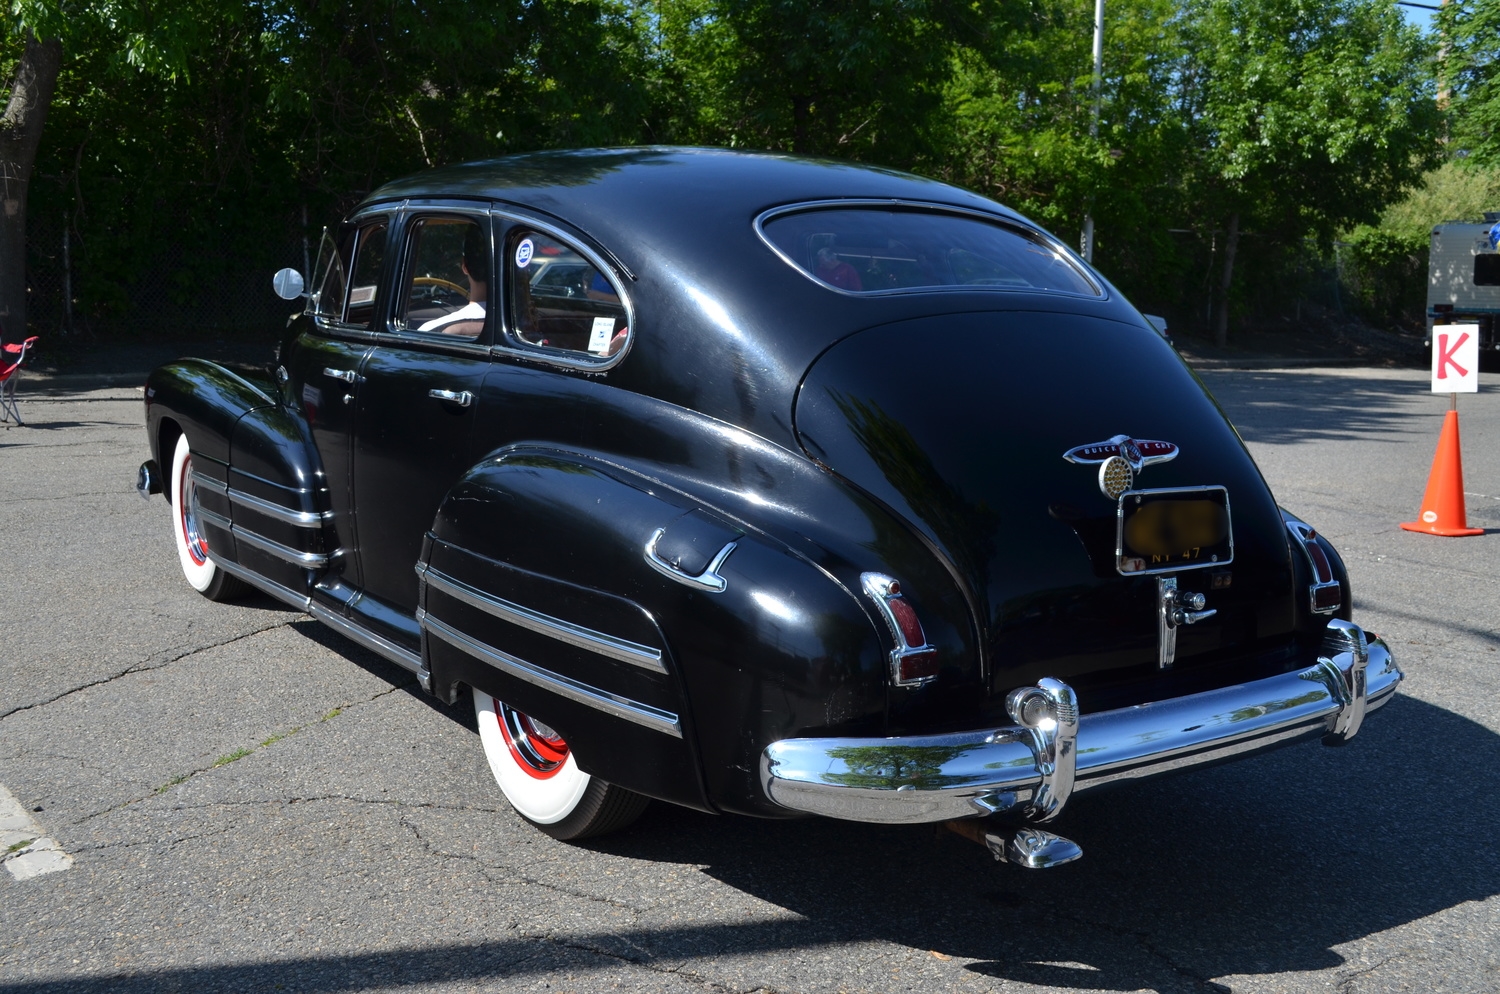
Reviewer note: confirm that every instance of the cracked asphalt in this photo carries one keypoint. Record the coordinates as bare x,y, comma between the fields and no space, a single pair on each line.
255,804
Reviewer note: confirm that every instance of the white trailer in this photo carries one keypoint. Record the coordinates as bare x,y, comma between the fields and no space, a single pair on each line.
1463,277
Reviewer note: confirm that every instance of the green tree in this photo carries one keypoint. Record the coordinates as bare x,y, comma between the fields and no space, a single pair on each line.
1306,118
856,79
1471,75
260,114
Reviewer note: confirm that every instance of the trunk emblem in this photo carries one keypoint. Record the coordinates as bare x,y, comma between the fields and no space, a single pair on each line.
1121,457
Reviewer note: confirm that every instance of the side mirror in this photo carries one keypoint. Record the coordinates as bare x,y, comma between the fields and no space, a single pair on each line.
288,284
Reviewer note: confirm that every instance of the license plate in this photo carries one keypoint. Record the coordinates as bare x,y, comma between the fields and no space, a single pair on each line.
1163,531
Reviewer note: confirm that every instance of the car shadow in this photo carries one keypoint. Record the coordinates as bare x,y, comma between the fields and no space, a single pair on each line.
1281,408
1260,867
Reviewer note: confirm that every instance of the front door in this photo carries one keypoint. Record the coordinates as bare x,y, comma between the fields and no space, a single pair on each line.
323,367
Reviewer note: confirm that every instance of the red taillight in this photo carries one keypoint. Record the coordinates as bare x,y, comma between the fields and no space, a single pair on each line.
1327,598
1325,594
913,661
1320,562
917,667
906,622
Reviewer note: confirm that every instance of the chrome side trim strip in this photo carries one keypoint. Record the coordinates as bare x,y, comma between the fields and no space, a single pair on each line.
302,519
924,778
218,520
616,648
310,560
268,587
208,483
400,655
574,690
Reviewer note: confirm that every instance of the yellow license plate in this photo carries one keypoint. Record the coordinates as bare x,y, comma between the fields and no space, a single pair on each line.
1163,531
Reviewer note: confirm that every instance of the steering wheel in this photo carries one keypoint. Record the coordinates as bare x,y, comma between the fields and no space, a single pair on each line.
434,290
438,281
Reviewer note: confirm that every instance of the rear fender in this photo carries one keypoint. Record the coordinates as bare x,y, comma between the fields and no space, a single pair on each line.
783,649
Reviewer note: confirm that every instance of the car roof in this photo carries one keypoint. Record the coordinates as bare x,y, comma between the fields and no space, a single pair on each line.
710,295
632,185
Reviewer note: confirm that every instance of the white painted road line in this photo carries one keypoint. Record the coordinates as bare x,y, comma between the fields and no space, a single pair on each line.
24,849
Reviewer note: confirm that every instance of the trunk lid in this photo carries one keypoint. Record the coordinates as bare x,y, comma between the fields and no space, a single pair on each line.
959,424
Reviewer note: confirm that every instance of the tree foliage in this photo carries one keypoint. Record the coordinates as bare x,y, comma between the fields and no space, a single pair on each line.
1471,75
191,138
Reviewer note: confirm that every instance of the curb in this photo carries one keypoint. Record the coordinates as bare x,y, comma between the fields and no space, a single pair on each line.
34,382
1274,363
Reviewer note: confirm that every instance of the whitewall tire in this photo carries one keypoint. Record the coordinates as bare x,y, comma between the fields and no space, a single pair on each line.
187,527
540,778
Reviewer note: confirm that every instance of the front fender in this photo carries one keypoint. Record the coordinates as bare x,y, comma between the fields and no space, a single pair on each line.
203,399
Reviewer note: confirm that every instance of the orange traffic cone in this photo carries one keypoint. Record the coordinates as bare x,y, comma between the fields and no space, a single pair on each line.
1443,504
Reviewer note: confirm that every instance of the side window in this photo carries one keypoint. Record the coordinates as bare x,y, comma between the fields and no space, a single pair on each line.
369,256
445,289
333,267
560,300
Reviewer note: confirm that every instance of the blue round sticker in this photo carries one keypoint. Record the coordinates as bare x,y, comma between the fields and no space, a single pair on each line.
523,253
1494,236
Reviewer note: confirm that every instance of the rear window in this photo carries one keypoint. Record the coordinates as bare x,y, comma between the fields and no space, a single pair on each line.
865,250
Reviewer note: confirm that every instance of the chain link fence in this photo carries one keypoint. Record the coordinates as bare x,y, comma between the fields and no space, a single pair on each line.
166,301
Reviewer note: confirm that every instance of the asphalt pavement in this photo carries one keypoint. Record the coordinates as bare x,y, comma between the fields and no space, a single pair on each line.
246,801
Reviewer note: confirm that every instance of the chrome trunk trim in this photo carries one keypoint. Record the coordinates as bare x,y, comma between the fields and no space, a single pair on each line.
616,648
574,690
217,520
928,778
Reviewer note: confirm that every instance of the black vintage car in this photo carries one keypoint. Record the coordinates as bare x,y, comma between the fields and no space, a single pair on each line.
762,485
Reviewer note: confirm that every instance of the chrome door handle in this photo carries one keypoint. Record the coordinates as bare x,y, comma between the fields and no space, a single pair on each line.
347,375
460,397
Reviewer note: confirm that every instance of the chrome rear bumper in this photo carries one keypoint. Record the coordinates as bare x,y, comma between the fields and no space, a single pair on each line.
1033,769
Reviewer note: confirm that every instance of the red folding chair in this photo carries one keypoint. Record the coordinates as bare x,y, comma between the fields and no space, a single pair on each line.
11,357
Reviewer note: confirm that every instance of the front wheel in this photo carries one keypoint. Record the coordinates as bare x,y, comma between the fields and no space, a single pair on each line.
538,775
192,546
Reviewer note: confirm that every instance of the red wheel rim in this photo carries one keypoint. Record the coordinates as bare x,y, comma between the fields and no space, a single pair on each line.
536,748
187,502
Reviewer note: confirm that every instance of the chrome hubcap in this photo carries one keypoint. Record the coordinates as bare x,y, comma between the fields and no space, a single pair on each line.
197,545
536,747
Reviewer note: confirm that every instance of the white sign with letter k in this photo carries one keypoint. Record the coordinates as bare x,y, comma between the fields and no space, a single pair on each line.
1455,358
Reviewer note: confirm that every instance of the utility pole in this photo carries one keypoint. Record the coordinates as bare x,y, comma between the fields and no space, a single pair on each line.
1088,219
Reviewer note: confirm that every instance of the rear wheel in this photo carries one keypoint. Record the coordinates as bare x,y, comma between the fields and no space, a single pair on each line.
540,778
192,546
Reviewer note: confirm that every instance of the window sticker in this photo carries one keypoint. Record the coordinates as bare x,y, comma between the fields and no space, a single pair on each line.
600,334
524,252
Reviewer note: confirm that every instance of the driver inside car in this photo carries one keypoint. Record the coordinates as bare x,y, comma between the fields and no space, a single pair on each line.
469,319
